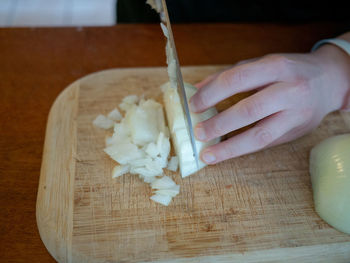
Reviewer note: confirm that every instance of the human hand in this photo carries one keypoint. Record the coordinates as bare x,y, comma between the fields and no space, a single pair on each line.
295,92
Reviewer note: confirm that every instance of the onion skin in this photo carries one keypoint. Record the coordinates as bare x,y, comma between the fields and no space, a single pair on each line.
330,178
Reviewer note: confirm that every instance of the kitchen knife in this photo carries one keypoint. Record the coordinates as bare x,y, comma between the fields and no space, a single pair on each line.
180,84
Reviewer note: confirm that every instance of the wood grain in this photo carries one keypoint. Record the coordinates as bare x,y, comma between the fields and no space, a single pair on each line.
38,63
257,208
56,187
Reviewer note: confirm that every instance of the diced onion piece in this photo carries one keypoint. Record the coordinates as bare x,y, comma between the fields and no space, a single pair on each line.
125,106
165,30
179,135
161,122
115,139
152,150
173,164
330,177
110,140
141,162
155,167
142,121
173,191
160,141
131,99
115,115
120,170
162,162
124,153
121,130
165,148
163,183
103,122
162,199
149,179
128,102
145,172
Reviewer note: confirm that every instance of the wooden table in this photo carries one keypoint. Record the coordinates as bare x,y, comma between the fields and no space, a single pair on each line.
36,64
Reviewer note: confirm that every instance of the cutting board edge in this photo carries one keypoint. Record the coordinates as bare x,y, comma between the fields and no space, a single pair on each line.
55,233
333,252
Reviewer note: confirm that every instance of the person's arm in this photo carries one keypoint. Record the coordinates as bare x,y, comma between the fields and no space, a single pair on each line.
295,92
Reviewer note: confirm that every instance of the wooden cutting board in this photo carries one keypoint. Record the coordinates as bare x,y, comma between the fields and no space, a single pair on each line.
256,208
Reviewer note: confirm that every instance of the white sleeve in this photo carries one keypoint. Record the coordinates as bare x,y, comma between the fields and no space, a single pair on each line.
341,43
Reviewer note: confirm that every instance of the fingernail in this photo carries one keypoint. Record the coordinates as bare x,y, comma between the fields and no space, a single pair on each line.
200,132
208,157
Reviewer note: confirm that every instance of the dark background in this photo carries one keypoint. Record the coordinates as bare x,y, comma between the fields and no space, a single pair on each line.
282,11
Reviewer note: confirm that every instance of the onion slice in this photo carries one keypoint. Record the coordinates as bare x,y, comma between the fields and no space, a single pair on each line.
163,183
120,170
179,135
162,199
103,122
173,164
115,115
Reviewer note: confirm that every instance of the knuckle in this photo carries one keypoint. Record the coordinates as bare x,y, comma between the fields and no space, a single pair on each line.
278,59
282,63
202,100
240,75
263,137
250,109
303,88
225,78
218,128
235,76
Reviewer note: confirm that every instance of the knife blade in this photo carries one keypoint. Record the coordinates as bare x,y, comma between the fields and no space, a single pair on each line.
180,83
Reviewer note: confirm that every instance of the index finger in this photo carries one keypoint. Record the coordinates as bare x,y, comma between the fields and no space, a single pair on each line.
238,79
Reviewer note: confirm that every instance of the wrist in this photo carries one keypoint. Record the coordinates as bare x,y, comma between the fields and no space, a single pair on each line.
335,64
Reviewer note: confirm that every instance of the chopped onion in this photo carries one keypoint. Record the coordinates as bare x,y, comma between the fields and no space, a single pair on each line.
128,102
115,115
142,121
145,172
330,177
124,153
141,162
103,122
173,191
160,141
149,179
165,30
125,106
162,199
165,148
161,161
121,130
152,150
140,144
161,122
173,164
131,99
180,137
163,183
120,170
154,167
